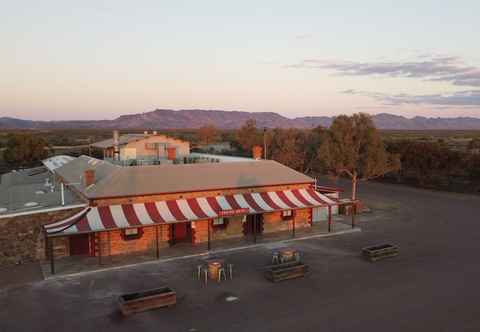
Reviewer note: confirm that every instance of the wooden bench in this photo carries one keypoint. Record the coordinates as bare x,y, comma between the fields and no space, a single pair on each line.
285,271
147,300
375,253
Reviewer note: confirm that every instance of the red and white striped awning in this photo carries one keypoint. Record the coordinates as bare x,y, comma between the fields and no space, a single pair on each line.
95,219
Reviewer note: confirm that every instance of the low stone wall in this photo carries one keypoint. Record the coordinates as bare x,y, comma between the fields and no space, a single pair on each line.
22,238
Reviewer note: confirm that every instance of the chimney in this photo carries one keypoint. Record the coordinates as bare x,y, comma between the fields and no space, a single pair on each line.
116,143
171,153
257,152
89,177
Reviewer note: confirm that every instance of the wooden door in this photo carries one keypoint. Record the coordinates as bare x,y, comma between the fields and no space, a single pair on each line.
248,226
181,232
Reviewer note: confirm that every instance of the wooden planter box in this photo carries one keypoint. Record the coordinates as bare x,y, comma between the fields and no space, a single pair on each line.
286,271
375,253
147,300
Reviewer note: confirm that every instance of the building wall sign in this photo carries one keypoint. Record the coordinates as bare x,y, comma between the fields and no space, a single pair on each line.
233,212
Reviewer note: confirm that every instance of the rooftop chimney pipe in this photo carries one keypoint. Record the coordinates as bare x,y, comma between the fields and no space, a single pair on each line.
89,177
116,143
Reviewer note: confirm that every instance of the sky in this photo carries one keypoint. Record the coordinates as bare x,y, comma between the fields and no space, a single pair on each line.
63,60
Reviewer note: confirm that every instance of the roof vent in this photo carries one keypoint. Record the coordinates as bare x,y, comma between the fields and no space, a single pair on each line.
30,204
3,210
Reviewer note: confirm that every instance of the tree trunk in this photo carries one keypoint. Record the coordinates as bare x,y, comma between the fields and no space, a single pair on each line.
354,187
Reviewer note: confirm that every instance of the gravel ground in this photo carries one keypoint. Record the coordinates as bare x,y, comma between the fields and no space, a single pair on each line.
431,286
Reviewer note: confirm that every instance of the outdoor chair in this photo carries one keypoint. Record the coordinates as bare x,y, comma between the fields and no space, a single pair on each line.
275,257
230,271
198,272
205,275
221,273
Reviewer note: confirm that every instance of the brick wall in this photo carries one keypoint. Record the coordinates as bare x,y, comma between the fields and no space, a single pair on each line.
112,242
273,222
22,238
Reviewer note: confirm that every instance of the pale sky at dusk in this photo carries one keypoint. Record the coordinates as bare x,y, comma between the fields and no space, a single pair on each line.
101,59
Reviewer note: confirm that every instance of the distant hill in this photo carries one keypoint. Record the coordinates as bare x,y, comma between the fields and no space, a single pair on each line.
184,119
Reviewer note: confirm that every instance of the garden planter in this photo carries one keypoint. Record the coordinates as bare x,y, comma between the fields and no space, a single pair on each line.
147,300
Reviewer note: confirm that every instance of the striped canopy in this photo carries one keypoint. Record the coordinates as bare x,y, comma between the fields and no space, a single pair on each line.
95,219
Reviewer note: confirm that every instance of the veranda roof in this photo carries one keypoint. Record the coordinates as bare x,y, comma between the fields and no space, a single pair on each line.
96,219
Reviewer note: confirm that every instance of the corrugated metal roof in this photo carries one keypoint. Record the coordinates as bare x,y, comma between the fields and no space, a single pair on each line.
73,172
55,162
147,180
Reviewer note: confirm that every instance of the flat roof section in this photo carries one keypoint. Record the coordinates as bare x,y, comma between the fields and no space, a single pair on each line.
31,190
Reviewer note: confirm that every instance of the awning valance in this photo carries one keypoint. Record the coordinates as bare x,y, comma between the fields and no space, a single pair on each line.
103,218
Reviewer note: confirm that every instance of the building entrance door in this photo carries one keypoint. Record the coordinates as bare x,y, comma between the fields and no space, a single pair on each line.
253,224
181,232
79,245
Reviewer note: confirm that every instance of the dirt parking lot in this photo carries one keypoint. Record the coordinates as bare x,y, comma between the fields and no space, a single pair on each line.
431,286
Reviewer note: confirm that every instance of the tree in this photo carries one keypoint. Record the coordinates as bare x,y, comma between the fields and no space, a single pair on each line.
25,150
474,144
353,146
248,135
287,146
207,134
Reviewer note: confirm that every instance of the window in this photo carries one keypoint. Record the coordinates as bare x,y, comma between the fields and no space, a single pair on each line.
132,233
220,223
287,214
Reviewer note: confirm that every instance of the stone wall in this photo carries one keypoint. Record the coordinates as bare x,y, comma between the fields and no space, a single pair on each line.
22,238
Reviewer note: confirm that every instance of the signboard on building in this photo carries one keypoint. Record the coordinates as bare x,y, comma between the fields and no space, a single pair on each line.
233,212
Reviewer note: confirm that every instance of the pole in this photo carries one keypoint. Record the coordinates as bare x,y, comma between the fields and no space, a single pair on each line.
209,246
62,190
52,258
329,218
354,210
254,228
264,143
157,252
99,245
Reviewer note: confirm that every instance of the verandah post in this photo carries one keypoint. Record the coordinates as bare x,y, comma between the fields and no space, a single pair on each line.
52,258
208,231
157,252
99,246
354,211
329,218
254,228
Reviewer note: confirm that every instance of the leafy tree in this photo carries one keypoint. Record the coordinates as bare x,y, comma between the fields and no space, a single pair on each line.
208,134
474,144
25,150
249,135
353,146
313,140
287,146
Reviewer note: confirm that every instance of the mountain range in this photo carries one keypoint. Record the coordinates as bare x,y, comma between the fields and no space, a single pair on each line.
195,118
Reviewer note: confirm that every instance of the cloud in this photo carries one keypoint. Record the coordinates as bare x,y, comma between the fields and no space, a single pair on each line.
432,68
469,98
